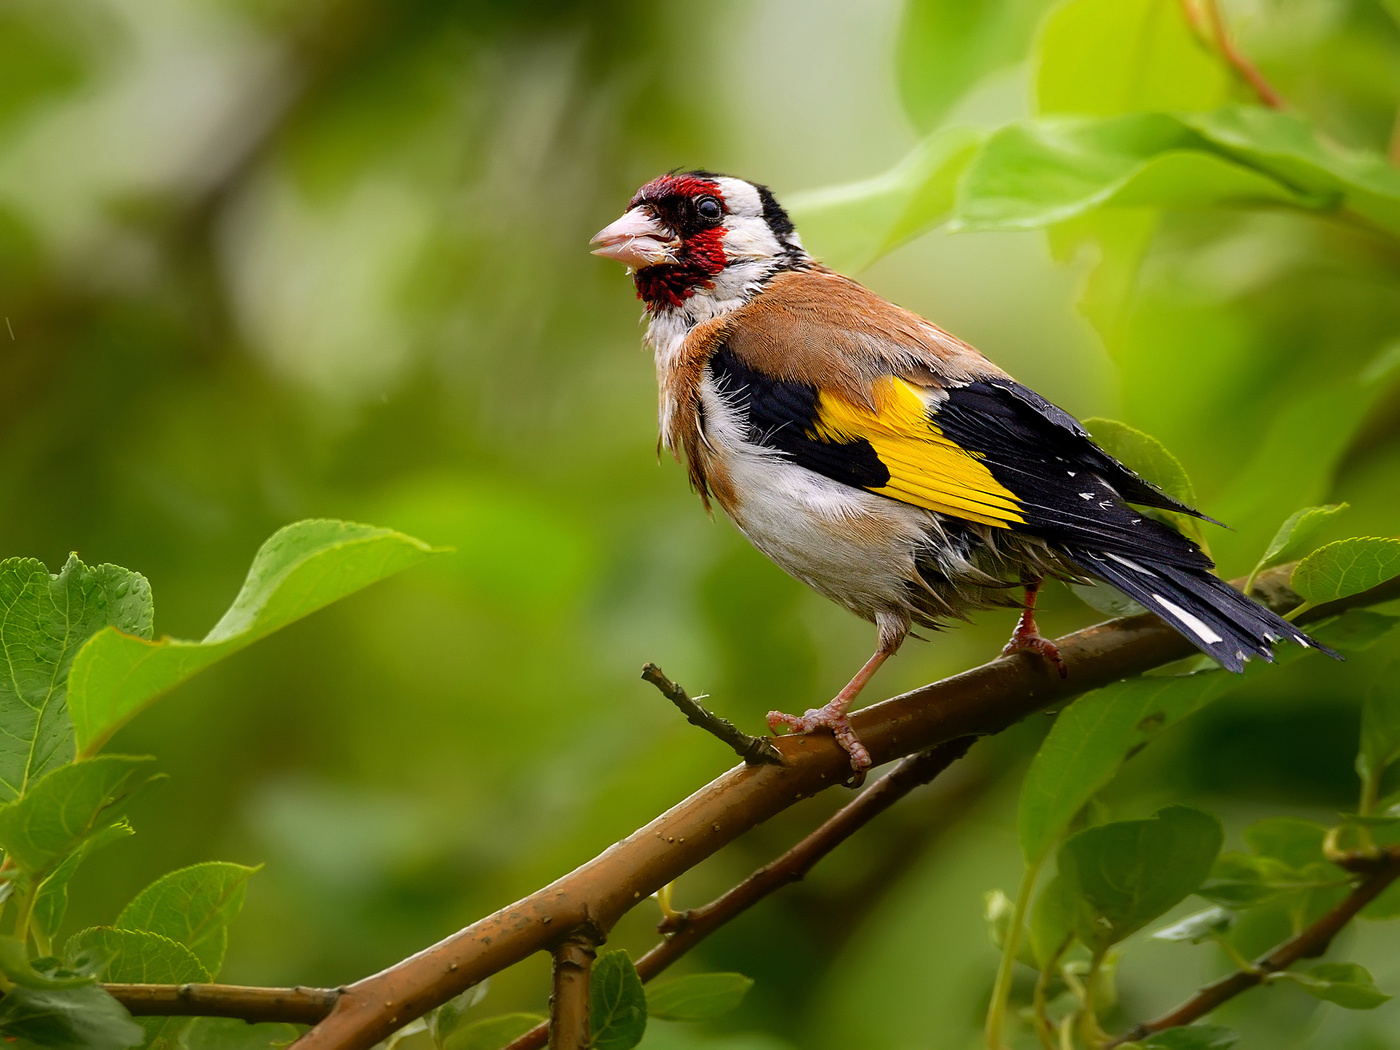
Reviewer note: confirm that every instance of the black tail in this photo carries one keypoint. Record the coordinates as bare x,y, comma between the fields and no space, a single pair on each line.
1218,619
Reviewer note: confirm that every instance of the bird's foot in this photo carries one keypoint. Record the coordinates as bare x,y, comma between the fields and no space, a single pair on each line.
1029,641
833,716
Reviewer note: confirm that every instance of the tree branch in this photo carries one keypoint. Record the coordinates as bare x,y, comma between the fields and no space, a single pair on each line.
754,750
981,701
299,1005
689,928
978,702
1310,942
568,998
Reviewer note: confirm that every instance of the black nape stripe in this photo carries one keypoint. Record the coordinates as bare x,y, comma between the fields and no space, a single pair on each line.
774,215
781,415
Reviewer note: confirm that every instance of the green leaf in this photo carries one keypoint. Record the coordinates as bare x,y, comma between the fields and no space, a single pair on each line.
1202,926
1346,567
1105,599
68,1019
1296,843
1380,731
697,997
1191,1037
67,806
1114,244
192,906
1090,741
1127,873
445,1020
16,965
302,568
1294,535
1034,174
1144,455
492,1033
1037,173
51,900
852,225
999,911
1052,922
944,49
1384,906
1355,630
136,956
1345,984
1243,880
1106,57
139,957
231,1033
47,620
617,1003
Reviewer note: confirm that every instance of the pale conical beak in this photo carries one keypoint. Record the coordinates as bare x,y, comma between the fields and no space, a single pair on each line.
637,240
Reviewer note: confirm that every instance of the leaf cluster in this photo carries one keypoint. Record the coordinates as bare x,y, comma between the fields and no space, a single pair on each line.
79,662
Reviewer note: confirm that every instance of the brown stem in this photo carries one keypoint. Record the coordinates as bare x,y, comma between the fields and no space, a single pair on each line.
1196,20
752,749
691,927
981,701
568,997
1312,941
1239,61
299,1005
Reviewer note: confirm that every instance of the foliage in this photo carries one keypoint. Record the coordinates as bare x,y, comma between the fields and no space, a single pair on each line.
67,628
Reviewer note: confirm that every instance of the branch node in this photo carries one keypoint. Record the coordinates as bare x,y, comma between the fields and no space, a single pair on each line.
754,750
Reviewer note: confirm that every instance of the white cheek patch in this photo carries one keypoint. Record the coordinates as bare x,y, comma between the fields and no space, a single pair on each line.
740,197
749,239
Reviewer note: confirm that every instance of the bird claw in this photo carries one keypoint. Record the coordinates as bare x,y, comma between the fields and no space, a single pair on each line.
1030,642
831,717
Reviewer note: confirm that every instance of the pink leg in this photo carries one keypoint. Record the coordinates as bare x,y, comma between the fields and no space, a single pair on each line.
833,715
1026,638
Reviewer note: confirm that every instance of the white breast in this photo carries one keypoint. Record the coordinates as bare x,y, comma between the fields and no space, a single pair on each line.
852,546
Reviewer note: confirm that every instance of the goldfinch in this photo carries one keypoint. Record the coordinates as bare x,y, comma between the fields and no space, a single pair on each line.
880,460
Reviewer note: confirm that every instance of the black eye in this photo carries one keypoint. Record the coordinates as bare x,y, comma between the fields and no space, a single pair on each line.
709,209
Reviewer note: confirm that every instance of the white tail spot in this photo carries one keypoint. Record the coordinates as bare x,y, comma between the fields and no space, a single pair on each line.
1195,624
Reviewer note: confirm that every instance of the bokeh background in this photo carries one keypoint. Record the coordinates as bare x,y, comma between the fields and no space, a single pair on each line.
270,259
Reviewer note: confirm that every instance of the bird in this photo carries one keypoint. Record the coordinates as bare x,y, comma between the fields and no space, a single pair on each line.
880,460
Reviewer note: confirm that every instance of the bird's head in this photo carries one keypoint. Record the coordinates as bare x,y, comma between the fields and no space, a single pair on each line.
701,242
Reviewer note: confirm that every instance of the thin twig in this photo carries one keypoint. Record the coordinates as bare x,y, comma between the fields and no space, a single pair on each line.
691,927
754,750
568,997
1237,59
1312,941
299,1005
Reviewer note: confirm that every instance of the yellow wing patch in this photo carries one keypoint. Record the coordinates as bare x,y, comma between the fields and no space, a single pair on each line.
926,468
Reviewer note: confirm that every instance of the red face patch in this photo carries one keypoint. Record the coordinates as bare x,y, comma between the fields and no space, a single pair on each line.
671,198
691,186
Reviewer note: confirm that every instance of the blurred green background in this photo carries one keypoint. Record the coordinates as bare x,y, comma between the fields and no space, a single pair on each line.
270,259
